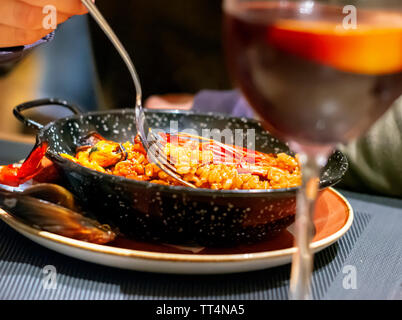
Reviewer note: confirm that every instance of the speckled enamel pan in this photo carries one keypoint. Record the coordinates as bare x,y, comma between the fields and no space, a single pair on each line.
174,214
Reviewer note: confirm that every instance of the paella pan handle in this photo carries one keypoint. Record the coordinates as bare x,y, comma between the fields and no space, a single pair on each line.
39,103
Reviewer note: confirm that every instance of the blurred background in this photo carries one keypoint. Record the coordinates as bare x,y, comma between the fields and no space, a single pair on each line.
175,46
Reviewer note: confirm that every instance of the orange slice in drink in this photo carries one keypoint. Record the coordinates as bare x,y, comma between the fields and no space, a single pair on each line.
368,49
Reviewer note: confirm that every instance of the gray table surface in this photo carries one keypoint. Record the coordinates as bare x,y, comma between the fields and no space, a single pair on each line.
371,251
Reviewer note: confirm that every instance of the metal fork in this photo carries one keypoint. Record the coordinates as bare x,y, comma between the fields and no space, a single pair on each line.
151,142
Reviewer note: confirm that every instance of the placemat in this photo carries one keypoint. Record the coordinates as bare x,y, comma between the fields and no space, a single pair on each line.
370,253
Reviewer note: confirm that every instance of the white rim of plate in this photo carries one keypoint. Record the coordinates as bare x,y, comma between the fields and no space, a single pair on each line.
177,257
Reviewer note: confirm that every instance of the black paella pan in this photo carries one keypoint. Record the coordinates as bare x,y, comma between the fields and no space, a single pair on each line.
174,214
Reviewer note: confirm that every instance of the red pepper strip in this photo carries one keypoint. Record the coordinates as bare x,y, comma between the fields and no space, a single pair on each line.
13,175
240,156
221,154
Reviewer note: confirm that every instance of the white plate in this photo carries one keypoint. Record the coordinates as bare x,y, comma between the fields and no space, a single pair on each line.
333,223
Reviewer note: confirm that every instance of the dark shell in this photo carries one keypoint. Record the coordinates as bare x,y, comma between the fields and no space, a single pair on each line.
51,208
176,214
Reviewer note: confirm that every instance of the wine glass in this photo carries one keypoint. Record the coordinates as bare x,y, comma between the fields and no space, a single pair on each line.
318,73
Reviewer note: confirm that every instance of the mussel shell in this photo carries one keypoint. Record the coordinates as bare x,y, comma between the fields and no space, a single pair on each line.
90,139
30,207
52,193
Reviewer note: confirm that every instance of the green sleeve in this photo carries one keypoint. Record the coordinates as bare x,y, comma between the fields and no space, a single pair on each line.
375,160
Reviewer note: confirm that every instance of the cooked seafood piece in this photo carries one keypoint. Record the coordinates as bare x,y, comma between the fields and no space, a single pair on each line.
205,163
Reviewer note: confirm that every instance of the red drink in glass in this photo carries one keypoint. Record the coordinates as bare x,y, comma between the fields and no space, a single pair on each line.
310,79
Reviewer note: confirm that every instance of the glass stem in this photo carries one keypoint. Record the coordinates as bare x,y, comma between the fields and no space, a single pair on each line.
302,262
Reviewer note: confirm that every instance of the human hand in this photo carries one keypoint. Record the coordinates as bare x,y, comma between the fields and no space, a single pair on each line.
22,21
170,101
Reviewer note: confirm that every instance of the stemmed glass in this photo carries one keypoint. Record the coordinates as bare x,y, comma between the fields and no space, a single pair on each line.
318,73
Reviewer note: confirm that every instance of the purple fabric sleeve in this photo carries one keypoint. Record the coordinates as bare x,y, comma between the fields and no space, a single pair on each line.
228,102
8,56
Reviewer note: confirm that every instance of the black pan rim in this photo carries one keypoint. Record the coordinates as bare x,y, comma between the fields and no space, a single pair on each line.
174,189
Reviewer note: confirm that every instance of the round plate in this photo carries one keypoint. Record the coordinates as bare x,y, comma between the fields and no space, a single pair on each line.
333,217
